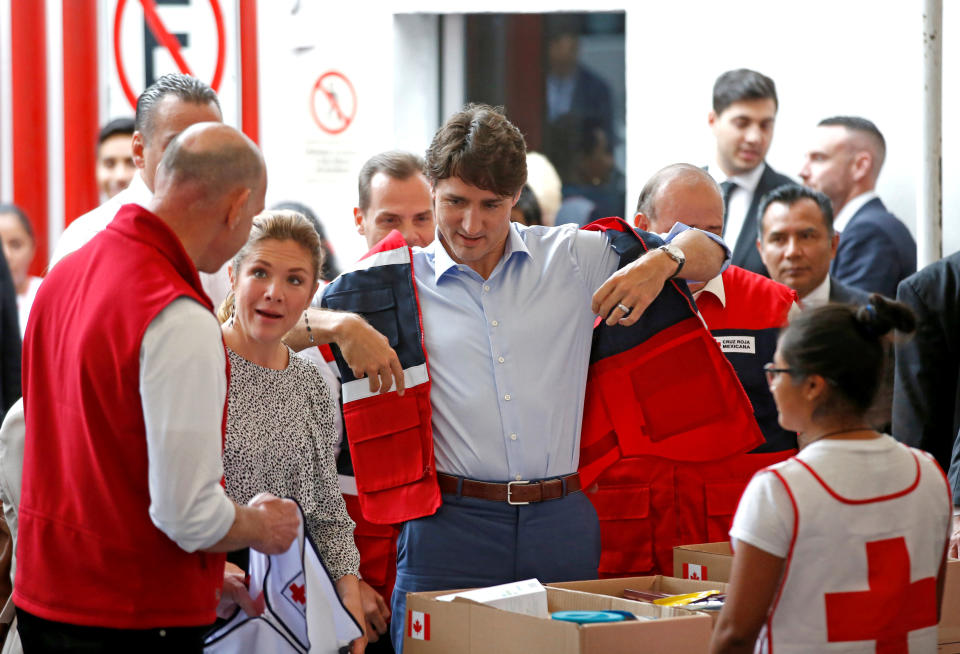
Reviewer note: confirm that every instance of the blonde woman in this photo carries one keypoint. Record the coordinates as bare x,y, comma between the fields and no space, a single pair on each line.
280,418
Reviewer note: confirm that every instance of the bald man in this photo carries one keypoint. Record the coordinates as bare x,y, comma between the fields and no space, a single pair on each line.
876,251
123,519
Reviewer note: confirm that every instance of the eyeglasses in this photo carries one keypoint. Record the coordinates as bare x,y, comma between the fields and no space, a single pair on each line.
772,371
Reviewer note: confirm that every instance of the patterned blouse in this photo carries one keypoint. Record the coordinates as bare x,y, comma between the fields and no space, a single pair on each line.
280,439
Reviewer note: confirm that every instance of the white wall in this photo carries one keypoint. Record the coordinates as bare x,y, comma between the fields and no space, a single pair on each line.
827,57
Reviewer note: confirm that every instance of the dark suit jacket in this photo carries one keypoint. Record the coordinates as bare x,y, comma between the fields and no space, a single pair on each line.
840,292
876,251
745,252
926,393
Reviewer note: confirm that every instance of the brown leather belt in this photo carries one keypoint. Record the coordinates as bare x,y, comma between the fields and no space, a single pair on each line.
513,492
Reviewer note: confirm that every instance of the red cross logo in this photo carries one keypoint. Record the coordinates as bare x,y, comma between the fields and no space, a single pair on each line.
891,608
298,594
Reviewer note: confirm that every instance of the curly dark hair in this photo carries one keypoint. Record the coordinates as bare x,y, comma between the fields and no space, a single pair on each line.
480,146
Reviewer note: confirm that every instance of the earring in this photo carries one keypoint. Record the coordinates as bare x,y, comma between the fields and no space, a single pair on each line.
306,321
233,312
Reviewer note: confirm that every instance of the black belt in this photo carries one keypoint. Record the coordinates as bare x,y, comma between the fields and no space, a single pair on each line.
512,492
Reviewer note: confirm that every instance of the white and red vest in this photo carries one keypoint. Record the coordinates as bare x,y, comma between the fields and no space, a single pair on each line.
638,395
390,437
302,611
861,574
87,551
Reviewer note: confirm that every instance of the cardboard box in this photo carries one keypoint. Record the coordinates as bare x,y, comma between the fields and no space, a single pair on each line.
948,632
657,584
706,561
465,627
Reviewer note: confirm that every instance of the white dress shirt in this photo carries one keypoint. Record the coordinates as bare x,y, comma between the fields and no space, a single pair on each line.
740,199
716,287
842,219
184,424
818,296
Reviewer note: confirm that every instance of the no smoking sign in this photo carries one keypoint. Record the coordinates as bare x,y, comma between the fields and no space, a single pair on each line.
155,37
333,102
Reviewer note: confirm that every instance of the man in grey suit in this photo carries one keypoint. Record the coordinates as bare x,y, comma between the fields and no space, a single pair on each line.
796,241
876,250
744,111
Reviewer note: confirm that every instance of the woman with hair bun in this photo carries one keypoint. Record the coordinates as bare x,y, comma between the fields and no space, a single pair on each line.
843,547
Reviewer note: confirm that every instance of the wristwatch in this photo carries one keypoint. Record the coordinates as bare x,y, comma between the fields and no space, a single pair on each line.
676,254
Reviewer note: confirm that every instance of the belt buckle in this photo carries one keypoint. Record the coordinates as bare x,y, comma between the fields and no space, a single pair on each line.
510,492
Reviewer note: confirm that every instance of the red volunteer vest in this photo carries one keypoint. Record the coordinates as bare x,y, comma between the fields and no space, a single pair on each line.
391,439
647,505
661,388
666,424
377,544
87,551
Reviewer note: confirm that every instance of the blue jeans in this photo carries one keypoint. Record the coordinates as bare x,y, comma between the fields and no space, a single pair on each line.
470,542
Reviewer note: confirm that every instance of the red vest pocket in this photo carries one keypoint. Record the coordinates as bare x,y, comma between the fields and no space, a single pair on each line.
385,441
391,445
625,529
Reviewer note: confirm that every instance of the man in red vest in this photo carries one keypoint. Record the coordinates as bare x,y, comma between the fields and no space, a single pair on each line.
123,516
744,311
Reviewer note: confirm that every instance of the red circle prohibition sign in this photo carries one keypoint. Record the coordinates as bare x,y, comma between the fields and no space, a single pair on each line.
343,120
169,42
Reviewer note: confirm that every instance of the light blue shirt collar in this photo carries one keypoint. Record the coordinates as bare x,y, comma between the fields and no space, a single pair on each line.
443,262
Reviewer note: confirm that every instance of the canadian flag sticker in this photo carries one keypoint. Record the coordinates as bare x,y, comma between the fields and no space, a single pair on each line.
694,571
418,625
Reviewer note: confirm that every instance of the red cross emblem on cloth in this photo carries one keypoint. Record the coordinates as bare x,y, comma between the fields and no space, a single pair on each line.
298,594
891,608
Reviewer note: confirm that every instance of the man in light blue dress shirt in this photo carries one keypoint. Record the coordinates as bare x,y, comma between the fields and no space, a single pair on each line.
508,313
